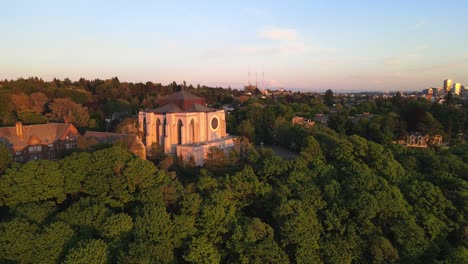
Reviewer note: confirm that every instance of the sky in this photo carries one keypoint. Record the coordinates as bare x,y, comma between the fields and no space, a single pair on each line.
308,45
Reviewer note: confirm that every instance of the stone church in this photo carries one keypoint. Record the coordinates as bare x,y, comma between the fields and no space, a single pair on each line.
184,126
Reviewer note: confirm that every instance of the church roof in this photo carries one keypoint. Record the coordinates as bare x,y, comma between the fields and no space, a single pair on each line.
180,102
169,108
172,108
199,108
182,95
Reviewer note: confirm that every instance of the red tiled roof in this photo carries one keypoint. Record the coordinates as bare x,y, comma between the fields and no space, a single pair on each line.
36,134
184,102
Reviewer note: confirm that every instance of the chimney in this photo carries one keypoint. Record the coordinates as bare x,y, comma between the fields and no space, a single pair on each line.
19,129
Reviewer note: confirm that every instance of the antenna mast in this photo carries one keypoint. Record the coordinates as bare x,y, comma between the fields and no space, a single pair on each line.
256,85
263,78
249,75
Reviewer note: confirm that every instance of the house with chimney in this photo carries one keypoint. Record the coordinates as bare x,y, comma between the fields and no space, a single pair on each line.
42,141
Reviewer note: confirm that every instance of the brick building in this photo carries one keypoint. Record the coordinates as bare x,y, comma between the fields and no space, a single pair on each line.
43,141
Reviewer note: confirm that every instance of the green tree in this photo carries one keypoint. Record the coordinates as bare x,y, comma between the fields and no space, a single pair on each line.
154,241
34,181
17,241
247,130
5,158
36,212
300,231
31,117
64,109
201,250
52,242
328,98
90,251
117,225
252,241
216,158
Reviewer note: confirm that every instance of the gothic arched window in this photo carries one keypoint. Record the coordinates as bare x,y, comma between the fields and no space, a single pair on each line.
179,132
158,129
192,131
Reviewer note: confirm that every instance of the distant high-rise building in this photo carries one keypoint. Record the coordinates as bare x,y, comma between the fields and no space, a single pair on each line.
447,85
457,88
440,90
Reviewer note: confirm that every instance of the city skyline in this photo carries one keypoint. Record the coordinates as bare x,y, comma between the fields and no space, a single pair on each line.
309,46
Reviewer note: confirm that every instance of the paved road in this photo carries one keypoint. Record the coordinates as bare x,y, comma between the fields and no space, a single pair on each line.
283,152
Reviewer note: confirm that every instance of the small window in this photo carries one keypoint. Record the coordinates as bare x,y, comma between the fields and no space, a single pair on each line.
214,123
33,149
69,145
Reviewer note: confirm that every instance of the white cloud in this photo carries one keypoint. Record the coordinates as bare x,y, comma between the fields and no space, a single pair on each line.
273,84
279,34
422,47
283,48
395,61
420,24
280,42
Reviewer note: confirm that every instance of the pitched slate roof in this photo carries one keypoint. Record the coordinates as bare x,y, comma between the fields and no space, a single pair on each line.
36,134
181,101
199,108
133,143
182,95
172,108
169,108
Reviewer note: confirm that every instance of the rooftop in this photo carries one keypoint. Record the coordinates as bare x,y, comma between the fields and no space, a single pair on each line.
35,134
182,95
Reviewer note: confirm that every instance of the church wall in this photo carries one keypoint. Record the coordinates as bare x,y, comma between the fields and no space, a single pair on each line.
150,129
141,120
168,132
220,130
199,152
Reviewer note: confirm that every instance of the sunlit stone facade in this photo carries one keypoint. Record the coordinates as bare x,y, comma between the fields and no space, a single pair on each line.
185,127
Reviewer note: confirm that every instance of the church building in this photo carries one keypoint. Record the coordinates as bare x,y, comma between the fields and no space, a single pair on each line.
185,127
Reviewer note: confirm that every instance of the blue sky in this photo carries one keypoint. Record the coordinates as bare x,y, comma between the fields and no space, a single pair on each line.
315,45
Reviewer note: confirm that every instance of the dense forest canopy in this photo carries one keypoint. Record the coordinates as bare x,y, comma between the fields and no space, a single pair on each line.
349,196
88,103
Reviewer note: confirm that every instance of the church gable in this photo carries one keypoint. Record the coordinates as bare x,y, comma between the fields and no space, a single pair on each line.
185,101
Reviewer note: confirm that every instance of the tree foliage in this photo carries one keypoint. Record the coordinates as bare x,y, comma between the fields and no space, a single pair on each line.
348,195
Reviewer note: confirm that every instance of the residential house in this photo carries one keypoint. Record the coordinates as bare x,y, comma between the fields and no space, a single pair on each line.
43,141
298,120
